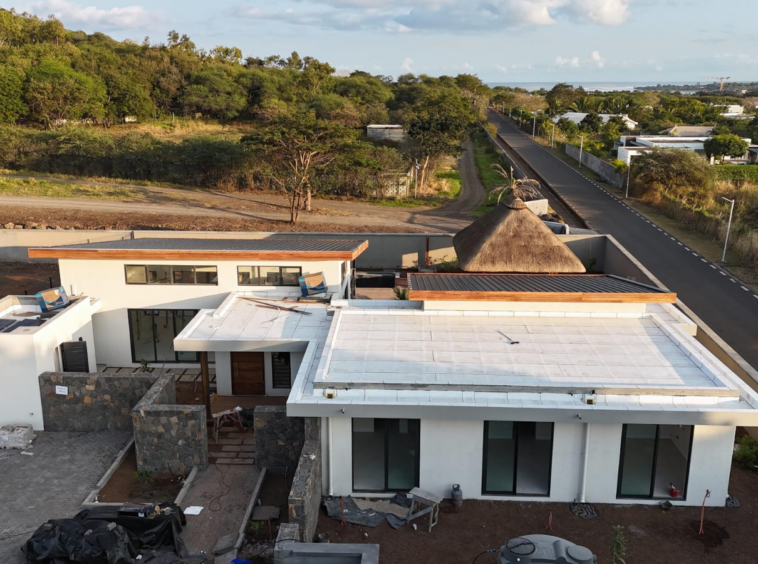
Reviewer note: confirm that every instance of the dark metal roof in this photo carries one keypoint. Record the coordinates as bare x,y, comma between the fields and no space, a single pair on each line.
579,283
239,245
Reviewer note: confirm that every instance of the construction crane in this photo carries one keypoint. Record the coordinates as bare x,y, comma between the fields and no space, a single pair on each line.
721,80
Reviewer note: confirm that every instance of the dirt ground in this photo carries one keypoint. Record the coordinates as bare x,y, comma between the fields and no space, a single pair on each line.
653,536
30,277
78,219
124,485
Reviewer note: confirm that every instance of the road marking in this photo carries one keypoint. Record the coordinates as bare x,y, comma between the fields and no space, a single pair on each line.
713,267
687,248
679,243
674,240
694,254
743,287
703,260
733,280
722,273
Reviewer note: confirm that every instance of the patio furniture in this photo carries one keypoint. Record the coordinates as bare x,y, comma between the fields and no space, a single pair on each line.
429,501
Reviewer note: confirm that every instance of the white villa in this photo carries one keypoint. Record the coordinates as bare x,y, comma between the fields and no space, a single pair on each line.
542,387
577,118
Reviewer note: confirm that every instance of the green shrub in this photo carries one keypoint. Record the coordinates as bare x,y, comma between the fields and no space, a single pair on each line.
736,173
618,546
620,166
746,452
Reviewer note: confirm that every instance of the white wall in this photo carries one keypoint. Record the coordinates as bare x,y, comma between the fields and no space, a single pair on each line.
451,452
25,357
105,279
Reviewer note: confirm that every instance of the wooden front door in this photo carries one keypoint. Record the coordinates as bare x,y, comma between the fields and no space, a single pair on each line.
247,374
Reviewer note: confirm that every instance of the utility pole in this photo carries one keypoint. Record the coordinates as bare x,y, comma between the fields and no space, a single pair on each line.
628,176
415,181
552,138
728,227
581,150
534,127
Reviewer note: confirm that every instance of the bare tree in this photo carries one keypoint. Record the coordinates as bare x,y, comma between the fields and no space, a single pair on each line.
525,189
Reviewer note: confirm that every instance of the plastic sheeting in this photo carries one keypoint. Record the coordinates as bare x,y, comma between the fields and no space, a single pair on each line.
365,517
102,536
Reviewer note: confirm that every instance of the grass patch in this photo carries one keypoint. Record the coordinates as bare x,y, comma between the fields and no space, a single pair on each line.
44,189
452,181
448,185
485,156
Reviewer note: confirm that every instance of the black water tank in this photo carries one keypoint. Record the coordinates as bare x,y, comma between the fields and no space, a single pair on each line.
544,549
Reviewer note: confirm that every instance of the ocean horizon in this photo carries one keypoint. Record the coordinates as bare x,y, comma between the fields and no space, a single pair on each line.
606,86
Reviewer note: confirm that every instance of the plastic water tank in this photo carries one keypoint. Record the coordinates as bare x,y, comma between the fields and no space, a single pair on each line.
544,549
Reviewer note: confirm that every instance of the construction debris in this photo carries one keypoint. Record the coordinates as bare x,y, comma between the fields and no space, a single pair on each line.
16,436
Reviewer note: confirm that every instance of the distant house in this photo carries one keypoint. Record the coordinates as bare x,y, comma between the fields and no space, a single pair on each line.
630,145
577,118
688,131
386,132
752,154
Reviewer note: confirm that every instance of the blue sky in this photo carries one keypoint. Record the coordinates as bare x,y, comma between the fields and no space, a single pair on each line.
499,40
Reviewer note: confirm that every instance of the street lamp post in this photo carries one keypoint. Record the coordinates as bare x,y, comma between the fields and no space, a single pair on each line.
728,227
628,176
534,127
581,150
552,138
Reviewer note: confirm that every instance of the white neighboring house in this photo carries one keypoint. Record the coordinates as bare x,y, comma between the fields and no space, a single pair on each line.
33,342
385,132
150,289
629,146
577,118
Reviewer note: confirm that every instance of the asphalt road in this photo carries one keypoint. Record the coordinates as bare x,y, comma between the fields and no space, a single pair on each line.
720,300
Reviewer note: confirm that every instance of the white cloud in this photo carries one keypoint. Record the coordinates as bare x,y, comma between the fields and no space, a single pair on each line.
501,68
572,63
128,17
598,59
401,16
604,12
407,65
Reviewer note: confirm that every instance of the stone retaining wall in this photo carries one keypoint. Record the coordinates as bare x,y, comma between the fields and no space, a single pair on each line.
604,169
278,438
305,496
92,401
168,436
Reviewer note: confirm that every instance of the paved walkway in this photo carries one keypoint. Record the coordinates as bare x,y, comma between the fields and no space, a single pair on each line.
50,484
223,491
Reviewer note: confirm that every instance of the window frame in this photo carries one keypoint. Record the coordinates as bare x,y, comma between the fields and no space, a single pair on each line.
417,465
155,354
515,462
622,455
171,267
257,271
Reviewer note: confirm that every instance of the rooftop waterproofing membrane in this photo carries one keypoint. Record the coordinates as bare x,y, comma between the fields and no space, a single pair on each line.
519,286
219,249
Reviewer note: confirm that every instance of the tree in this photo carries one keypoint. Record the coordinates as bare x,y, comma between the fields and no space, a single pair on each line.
525,189
214,92
295,148
11,94
728,145
439,128
591,123
228,55
673,173
569,128
562,97
55,93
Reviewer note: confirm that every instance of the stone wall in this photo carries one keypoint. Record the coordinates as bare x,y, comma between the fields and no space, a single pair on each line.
305,496
92,401
167,436
604,169
278,438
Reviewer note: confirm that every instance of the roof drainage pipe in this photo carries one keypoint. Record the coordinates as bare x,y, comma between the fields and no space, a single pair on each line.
583,491
329,457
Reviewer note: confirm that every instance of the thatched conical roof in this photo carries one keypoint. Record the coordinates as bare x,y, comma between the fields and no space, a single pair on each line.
511,238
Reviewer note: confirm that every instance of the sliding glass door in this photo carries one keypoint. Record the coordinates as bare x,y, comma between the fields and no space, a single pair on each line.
385,454
152,333
654,461
517,458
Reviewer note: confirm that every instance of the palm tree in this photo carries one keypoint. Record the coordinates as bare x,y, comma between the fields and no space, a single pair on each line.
525,189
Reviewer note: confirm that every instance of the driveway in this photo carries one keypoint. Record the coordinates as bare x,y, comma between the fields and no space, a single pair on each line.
720,300
51,484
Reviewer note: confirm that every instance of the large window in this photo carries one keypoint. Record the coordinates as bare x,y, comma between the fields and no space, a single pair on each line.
654,461
385,454
269,275
281,370
163,274
152,334
517,458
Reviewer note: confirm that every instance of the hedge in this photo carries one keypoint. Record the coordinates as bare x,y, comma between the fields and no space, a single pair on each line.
736,173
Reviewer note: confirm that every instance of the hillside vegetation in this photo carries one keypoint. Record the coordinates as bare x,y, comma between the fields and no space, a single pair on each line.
88,105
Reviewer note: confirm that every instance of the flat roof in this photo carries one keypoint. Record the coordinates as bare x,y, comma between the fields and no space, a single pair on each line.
209,249
22,315
584,288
